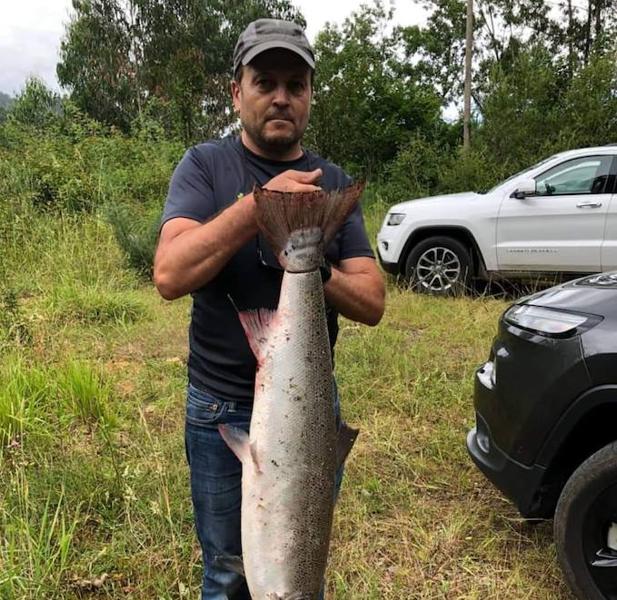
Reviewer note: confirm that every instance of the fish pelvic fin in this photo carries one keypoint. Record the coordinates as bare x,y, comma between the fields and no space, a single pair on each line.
257,325
344,443
238,441
300,225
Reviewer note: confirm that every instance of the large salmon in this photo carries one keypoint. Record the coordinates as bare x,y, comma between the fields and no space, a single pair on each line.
290,458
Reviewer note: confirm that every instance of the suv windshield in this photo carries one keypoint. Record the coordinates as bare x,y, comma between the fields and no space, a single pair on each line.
521,173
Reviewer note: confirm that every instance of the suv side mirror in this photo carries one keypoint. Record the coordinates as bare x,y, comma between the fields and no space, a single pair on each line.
525,188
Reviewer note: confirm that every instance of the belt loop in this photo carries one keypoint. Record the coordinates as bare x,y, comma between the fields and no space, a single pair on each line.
231,407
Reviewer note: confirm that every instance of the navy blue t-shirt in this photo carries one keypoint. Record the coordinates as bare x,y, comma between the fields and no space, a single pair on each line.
208,179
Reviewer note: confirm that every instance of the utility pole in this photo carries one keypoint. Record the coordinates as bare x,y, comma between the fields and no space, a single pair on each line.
467,92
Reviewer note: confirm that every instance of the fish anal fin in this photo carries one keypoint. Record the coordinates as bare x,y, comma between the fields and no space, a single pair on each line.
257,325
230,563
238,441
344,443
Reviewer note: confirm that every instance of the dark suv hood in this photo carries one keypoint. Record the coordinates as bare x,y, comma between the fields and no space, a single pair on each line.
594,294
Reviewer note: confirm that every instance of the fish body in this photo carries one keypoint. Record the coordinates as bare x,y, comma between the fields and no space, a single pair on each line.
291,455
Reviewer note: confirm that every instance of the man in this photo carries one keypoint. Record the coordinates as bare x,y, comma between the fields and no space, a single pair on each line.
210,247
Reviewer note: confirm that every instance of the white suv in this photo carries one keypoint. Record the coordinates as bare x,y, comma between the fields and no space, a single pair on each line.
559,216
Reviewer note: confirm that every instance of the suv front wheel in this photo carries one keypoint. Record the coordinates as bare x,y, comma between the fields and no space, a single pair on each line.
586,527
439,265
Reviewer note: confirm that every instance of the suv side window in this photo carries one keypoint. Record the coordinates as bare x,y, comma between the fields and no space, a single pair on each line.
585,175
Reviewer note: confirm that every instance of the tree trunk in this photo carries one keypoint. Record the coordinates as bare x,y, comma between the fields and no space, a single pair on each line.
468,63
570,40
598,28
588,31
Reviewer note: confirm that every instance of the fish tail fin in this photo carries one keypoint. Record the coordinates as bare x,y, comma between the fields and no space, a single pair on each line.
301,224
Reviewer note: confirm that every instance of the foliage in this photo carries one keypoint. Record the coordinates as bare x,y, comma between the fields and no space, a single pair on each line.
364,109
415,172
435,54
36,105
137,236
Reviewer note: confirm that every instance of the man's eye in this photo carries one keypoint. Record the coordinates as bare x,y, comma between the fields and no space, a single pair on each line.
296,87
264,83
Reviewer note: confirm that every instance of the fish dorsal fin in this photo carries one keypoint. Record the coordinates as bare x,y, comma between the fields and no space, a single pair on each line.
344,443
238,441
257,325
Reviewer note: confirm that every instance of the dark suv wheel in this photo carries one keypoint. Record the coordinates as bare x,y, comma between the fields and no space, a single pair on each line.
586,527
439,265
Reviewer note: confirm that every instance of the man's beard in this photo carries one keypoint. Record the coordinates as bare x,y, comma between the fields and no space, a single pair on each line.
277,143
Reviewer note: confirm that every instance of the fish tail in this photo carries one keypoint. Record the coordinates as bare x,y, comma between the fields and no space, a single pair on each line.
299,225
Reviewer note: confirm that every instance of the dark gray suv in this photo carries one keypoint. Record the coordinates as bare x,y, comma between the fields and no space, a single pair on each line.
546,422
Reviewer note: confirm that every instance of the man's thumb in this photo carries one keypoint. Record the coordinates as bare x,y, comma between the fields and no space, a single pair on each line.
310,176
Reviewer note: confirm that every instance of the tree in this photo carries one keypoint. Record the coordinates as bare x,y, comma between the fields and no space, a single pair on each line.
36,105
435,54
365,107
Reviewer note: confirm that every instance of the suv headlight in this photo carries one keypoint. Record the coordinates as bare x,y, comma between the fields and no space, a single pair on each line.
548,321
395,218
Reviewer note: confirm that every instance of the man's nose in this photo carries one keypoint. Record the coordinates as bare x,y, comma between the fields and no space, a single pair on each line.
281,95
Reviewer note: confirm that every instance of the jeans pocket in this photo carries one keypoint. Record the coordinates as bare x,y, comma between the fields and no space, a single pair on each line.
202,409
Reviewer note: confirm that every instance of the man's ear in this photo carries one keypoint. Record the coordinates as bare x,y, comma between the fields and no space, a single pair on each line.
235,94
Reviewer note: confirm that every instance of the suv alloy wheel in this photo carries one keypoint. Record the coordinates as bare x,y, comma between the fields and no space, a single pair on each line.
439,265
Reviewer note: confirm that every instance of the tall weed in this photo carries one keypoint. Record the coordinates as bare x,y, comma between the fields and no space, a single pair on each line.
23,394
84,393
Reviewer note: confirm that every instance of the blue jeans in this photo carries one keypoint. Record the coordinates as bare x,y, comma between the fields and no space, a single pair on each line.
216,476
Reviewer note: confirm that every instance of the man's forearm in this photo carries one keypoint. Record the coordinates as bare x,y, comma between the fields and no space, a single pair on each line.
194,256
359,296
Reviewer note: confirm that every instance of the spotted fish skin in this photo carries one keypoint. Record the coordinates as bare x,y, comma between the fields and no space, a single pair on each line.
289,459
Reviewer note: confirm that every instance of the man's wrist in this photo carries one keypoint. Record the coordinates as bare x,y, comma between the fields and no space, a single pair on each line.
326,272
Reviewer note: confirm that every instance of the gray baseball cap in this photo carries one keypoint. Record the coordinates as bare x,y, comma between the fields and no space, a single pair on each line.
265,34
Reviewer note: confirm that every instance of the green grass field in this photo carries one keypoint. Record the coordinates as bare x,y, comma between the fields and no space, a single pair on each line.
95,498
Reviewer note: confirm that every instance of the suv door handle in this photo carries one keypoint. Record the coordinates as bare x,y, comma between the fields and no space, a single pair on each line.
589,204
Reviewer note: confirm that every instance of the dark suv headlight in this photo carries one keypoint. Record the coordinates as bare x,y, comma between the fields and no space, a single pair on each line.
549,321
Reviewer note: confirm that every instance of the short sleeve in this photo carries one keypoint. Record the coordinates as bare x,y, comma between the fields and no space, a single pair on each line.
191,192
353,238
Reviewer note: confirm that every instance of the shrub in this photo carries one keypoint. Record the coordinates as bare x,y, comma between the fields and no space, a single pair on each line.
136,235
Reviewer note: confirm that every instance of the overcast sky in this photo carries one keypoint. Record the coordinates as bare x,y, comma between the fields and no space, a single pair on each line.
30,32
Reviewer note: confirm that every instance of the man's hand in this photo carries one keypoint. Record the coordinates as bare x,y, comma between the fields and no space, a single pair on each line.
295,181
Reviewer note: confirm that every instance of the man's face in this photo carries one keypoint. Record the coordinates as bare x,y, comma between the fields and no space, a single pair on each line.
274,99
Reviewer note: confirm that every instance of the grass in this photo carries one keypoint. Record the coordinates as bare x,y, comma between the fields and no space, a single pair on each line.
95,499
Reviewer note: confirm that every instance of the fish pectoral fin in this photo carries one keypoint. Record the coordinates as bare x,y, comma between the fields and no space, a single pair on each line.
257,326
237,439
230,563
344,443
